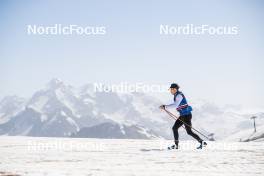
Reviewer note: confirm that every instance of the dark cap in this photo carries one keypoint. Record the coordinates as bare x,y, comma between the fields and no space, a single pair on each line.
175,86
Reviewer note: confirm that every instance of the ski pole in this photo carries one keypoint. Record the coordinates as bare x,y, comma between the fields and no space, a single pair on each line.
177,118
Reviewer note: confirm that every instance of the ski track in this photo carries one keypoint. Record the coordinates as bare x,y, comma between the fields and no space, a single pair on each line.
24,156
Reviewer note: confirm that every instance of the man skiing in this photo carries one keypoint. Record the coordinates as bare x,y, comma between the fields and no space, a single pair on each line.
181,105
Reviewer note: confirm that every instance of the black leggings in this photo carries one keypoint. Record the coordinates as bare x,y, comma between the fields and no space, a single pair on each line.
186,119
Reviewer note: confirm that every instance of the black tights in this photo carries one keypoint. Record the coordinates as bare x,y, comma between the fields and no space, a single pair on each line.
186,119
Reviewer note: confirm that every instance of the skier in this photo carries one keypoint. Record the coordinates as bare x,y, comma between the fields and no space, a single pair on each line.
181,105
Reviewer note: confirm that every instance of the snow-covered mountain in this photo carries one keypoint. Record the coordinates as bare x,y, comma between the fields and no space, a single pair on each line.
60,110
114,130
10,106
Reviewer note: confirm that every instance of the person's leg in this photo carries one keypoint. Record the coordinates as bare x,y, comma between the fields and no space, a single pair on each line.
188,121
175,128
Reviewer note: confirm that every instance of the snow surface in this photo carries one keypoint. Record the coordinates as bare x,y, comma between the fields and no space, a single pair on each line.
75,156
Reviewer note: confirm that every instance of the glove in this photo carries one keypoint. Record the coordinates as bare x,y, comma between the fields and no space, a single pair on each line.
162,107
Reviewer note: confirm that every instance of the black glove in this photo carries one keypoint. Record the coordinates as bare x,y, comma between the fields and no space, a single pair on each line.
162,107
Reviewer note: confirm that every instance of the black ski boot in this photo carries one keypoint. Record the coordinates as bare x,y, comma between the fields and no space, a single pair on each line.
202,144
173,147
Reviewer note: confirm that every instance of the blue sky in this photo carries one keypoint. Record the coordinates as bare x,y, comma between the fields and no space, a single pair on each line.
222,69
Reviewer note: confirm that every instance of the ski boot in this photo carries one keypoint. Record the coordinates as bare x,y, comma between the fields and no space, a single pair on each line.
202,144
173,147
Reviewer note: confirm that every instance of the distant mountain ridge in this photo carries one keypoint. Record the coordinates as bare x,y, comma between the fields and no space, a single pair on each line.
57,111
60,110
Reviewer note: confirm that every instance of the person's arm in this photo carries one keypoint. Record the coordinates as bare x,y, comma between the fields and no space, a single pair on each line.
176,103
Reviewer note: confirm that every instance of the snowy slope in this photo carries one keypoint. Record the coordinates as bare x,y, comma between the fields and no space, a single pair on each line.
221,121
248,135
75,156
